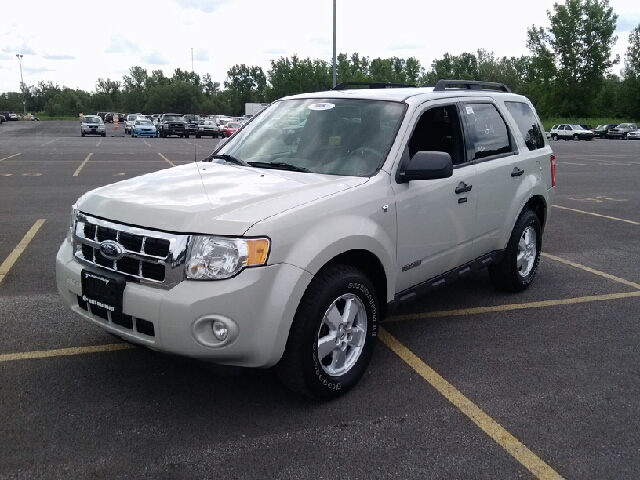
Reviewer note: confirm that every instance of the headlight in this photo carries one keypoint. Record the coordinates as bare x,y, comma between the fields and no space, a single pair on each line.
72,223
216,258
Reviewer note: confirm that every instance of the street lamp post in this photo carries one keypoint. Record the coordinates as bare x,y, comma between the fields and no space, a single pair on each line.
24,100
334,43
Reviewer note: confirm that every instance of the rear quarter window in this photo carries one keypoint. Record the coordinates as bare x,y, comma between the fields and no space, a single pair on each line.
527,124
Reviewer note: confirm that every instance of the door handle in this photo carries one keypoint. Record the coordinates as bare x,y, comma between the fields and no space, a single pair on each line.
463,187
516,172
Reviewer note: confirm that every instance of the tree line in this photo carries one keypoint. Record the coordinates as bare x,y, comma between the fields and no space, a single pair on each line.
566,74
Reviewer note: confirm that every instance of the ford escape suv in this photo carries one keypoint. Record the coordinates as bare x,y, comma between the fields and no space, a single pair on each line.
286,247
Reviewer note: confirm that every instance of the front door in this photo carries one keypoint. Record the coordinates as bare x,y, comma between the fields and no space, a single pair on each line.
436,218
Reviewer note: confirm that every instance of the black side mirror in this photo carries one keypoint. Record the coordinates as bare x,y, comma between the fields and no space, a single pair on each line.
426,166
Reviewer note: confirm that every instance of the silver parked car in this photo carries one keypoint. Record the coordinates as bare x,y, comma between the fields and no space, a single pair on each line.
92,125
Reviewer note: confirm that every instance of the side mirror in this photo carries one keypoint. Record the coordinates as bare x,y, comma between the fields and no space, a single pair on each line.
426,166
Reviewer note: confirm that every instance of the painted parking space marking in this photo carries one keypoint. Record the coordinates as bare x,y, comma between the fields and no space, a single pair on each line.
597,215
31,174
167,160
75,174
511,306
11,156
502,437
99,142
5,174
15,254
598,199
63,352
148,144
50,142
592,270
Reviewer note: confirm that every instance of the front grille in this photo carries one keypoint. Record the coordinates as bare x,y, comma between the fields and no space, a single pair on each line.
148,256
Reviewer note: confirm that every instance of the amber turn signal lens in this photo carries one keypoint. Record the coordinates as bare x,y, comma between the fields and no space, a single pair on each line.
258,251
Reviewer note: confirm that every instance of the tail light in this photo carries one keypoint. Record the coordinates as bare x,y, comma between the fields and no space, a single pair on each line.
553,170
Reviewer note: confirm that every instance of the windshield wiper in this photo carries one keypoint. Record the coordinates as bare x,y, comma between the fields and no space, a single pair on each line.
279,166
228,158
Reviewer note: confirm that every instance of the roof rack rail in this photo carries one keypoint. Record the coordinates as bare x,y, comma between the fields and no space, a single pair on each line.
442,85
346,85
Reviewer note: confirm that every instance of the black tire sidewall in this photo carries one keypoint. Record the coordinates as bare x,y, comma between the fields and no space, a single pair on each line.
527,219
349,280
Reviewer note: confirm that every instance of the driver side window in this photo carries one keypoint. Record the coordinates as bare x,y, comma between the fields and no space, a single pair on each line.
438,130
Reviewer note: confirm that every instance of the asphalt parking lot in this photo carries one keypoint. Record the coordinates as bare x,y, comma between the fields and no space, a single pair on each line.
469,383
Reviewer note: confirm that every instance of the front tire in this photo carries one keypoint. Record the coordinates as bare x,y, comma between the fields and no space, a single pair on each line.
520,263
554,137
333,334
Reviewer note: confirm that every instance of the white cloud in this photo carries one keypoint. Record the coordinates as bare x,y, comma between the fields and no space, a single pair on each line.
58,57
155,58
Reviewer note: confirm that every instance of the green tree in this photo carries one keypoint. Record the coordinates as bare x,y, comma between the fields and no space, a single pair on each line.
244,84
579,41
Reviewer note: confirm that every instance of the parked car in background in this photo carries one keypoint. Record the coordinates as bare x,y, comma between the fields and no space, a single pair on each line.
622,130
5,115
230,128
207,128
130,120
602,131
2,119
633,135
143,127
13,117
173,124
101,115
570,132
192,121
92,125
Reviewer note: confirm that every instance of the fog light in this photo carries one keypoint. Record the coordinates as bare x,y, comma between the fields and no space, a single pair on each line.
220,330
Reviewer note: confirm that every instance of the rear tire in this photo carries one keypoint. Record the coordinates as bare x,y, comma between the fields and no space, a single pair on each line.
520,263
333,334
554,137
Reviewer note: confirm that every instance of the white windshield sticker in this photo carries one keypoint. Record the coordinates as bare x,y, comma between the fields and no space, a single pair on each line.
321,106
469,111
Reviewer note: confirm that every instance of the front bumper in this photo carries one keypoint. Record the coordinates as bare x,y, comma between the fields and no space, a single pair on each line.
259,303
93,131
145,133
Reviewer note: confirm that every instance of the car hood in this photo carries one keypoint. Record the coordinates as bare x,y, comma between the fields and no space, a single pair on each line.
209,198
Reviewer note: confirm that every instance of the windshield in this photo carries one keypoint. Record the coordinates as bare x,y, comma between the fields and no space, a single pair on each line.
143,122
334,136
173,118
92,119
233,125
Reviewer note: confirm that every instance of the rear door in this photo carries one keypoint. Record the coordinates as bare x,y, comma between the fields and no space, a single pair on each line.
500,171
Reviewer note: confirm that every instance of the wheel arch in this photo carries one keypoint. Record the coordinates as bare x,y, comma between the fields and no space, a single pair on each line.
538,205
371,266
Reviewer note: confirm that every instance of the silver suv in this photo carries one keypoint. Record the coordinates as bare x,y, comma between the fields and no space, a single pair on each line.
286,247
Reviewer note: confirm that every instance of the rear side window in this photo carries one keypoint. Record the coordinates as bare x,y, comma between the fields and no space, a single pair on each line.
487,133
527,124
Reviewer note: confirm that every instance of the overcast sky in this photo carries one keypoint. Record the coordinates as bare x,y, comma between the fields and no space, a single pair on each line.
73,43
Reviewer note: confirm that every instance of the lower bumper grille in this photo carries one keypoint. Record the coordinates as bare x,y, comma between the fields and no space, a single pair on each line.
145,327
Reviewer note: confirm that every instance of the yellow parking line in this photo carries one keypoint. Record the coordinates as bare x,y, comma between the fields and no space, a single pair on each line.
511,306
502,437
592,270
7,158
75,174
13,256
598,215
166,159
8,357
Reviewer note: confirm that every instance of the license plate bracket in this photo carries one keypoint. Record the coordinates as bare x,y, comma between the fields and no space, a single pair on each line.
103,289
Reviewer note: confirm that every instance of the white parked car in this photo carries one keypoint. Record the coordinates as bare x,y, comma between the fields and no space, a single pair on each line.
570,132
130,120
92,125
289,253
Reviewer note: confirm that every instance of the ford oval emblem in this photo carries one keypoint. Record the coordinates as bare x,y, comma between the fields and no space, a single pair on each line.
111,250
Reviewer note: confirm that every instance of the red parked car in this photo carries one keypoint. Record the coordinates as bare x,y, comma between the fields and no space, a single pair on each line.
230,128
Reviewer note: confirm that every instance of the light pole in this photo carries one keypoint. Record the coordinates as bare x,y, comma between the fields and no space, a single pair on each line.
334,43
24,100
